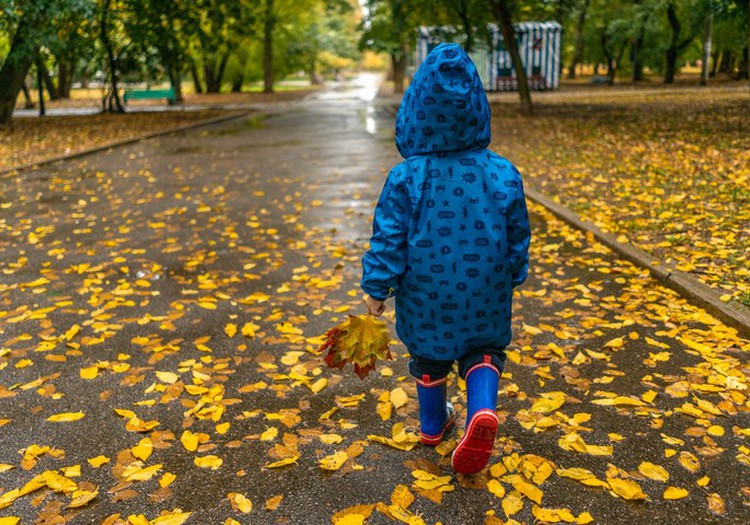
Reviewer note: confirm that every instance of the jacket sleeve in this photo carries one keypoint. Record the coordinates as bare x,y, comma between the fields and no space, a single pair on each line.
519,237
385,262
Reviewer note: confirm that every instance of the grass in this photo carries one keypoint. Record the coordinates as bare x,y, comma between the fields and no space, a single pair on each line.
647,166
30,140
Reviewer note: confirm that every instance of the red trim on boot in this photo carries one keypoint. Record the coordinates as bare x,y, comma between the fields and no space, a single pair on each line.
427,382
473,451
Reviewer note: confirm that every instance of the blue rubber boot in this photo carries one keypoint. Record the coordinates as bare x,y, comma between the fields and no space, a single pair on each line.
473,451
436,414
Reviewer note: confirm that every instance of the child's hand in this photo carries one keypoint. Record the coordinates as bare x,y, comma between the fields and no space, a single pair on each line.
374,307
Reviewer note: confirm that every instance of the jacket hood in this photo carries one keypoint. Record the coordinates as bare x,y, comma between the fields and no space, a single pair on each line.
445,107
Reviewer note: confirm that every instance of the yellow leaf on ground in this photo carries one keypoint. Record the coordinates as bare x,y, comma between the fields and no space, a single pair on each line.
273,503
652,471
689,461
269,434
334,461
354,515
210,461
10,520
399,398
230,329
527,489
167,377
82,497
98,461
675,493
626,488
496,488
553,515
176,518
283,462
189,441
512,503
167,479
90,372
66,417
548,402
240,502
143,450
402,496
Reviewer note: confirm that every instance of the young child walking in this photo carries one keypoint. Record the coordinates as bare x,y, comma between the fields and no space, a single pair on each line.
450,241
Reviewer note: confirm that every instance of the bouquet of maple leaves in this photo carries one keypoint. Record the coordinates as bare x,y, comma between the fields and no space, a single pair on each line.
361,340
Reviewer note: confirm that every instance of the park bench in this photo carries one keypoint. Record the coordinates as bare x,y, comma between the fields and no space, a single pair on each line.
136,94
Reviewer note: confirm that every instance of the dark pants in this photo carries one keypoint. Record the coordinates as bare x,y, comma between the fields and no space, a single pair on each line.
438,369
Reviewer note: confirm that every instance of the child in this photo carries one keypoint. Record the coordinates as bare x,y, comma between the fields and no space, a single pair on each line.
450,240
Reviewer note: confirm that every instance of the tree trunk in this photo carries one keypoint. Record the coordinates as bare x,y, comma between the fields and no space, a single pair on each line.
268,26
196,79
744,71
714,63
725,67
14,69
114,95
463,14
40,85
672,49
175,80
501,10
579,42
48,82
27,96
707,49
237,84
399,72
64,78
637,55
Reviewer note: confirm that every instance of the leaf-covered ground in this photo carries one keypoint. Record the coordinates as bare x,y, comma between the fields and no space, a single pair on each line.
161,307
30,140
668,172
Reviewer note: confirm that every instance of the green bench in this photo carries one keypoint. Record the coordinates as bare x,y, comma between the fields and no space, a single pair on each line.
136,94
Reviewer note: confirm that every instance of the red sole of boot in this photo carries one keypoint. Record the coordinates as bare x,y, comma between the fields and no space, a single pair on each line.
473,451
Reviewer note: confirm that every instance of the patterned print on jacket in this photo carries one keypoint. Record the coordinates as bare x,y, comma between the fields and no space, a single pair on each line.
450,230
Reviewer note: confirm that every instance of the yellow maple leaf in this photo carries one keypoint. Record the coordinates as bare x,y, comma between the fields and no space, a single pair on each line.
230,329
361,340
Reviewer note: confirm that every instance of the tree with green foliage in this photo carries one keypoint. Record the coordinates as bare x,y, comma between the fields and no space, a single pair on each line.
31,24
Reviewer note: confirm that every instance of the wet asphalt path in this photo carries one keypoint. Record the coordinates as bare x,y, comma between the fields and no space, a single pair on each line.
135,261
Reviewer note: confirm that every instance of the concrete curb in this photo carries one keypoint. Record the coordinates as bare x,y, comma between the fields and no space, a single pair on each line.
733,313
201,123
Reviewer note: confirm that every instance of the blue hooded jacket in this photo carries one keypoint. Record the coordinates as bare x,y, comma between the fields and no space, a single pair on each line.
450,231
